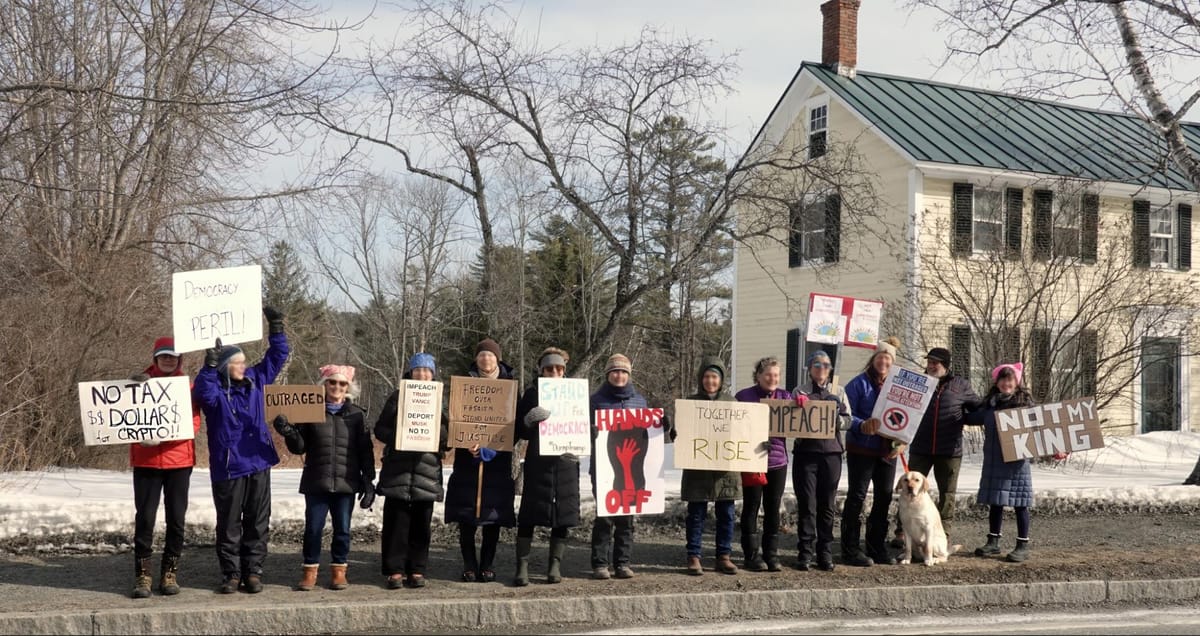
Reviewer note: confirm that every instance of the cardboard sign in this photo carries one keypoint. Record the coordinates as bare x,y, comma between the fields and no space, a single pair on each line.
567,430
818,419
419,416
629,462
216,303
1046,429
125,412
483,412
853,322
721,435
902,402
299,403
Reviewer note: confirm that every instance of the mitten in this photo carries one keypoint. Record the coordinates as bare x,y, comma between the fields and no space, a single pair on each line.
367,497
536,415
283,427
486,454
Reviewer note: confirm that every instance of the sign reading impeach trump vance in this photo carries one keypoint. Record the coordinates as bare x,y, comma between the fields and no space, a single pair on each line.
482,412
1046,429
124,412
721,435
419,416
208,304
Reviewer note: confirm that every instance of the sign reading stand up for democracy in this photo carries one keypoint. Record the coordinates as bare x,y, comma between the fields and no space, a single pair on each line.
299,403
216,303
902,402
483,412
1047,429
567,430
721,435
419,416
125,412
629,462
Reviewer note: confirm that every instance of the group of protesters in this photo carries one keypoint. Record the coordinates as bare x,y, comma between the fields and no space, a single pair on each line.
480,496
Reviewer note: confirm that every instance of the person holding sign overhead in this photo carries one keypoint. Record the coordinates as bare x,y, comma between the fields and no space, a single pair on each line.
764,491
339,462
241,453
410,482
551,496
481,488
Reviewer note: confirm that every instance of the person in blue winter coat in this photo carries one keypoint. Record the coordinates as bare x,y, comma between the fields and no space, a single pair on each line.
1003,483
768,496
241,453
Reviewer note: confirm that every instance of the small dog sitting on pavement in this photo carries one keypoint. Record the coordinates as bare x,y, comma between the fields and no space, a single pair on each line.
921,521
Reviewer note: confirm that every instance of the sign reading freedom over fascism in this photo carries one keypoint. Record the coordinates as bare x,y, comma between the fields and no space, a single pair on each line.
721,435
629,462
567,430
1046,429
483,412
299,403
216,303
124,412
902,402
419,416
817,419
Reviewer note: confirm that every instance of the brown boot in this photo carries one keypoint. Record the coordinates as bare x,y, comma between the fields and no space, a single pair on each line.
725,565
168,582
693,567
141,580
309,580
337,578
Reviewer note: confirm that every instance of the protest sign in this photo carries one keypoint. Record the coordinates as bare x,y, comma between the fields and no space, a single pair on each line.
853,322
1046,429
483,412
567,430
629,462
862,329
419,416
299,403
817,419
124,412
721,435
826,324
902,402
216,303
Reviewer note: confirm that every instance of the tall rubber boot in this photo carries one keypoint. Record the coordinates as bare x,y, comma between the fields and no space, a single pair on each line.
524,547
558,547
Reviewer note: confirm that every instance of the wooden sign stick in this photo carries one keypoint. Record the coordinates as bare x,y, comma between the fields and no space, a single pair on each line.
479,490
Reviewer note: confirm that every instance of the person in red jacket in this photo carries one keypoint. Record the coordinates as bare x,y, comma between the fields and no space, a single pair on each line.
161,469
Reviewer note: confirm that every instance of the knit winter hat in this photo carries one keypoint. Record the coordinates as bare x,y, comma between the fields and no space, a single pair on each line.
343,372
165,346
618,362
715,369
487,344
889,345
228,353
422,361
817,356
1018,370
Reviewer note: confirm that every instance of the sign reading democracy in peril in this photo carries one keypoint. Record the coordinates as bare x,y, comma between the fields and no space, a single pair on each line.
483,412
419,416
629,462
216,303
721,435
902,402
299,403
1047,429
125,412
567,430
853,322
817,419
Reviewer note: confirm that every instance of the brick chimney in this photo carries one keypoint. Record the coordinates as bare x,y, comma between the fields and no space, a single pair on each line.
839,39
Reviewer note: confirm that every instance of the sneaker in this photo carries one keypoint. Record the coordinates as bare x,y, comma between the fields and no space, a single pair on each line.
416,580
253,584
601,573
395,581
229,584
468,576
624,572
487,576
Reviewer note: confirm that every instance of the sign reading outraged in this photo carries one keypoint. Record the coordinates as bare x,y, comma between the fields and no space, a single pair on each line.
902,402
419,416
721,435
299,403
216,303
124,412
483,412
629,462
567,430
1047,429
817,419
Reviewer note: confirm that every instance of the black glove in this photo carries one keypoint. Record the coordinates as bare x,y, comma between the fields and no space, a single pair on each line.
274,320
139,378
213,356
283,427
367,497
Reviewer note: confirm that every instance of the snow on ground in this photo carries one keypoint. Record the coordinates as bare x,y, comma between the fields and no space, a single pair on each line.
1143,469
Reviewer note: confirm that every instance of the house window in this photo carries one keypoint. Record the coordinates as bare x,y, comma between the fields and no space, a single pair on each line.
1065,233
806,240
1162,236
1063,365
818,127
987,221
975,353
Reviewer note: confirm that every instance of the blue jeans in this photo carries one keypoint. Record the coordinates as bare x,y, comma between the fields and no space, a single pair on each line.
697,511
316,508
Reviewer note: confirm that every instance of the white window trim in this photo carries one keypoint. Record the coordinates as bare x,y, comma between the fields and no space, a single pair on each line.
1174,326
1001,190
809,105
807,200
1173,239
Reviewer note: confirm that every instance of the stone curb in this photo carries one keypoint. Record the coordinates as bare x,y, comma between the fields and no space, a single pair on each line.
429,615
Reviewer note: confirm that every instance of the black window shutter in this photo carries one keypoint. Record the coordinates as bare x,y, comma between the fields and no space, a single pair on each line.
1014,200
1043,224
1141,234
960,350
1185,236
1088,362
795,234
792,367
1010,345
1039,363
833,228
1089,224
962,203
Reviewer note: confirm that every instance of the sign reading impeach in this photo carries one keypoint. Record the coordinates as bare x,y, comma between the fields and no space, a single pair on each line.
1046,429
817,419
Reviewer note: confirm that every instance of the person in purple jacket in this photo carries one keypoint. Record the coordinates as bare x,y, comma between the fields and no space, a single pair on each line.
766,496
241,453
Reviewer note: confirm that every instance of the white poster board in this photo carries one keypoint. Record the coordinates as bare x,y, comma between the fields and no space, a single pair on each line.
902,402
223,303
126,412
629,461
863,327
713,435
826,324
419,416
568,429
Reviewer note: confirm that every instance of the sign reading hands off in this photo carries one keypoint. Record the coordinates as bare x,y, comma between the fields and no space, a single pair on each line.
223,303
124,412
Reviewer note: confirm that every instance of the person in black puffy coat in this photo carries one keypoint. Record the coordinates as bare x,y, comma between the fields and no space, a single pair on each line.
339,462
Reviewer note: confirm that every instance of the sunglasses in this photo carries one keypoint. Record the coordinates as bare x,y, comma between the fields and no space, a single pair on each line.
337,383
821,365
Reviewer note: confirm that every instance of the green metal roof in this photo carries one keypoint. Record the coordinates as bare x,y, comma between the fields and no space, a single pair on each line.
971,127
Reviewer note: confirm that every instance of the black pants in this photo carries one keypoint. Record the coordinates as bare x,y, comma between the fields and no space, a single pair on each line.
148,485
815,481
767,498
487,549
557,532
406,536
866,470
612,541
243,523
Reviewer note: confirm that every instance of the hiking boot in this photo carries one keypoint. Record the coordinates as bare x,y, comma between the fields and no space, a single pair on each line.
168,584
898,540
991,548
1020,553
558,547
856,558
693,566
468,576
524,547
803,564
395,581
252,583
308,579
725,564
337,577
624,572
229,584
601,573
141,578
881,556
825,564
